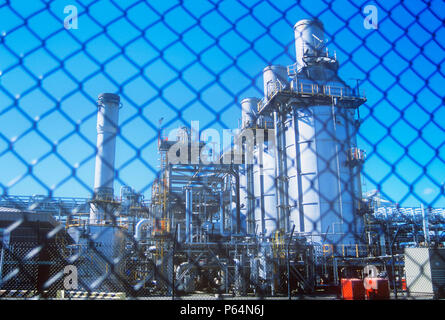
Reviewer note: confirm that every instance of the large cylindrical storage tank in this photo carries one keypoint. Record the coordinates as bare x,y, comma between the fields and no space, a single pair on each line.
265,211
309,37
274,78
249,108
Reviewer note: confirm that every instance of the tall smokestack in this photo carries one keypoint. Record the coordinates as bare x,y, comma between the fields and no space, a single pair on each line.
107,128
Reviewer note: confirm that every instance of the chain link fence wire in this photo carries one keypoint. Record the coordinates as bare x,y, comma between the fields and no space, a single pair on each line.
352,209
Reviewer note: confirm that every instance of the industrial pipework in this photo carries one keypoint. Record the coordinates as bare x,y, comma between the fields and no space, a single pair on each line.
139,226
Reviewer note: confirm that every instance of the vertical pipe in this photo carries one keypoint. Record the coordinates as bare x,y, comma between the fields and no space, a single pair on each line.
277,151
191,231
382,244
338,174
262,191
354,172
284,224
188,214
295,124
426,231
221,212
238,208
191,215
170,216
281,184
173,259
251,200
187,221
335,270
288,261
229,180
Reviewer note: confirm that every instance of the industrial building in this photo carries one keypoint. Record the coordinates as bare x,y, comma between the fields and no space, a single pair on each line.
280,213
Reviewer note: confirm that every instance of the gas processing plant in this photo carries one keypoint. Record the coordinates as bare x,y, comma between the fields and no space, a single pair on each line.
280,213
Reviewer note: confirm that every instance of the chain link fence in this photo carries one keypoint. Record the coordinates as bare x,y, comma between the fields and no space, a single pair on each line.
331,184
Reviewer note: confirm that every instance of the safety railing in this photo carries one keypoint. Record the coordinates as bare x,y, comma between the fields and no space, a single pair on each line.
312,89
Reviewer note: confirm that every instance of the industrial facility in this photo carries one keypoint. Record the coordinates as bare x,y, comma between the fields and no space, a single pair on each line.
280,213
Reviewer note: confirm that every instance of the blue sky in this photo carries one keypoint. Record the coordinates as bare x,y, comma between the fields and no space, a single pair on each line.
194,60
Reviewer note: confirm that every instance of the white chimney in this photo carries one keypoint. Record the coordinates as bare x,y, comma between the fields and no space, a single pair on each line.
107,128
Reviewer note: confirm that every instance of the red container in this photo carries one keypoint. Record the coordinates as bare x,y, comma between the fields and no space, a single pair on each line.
352,289
403,284
377,288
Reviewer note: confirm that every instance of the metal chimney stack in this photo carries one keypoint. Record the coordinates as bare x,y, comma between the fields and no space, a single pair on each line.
107,128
